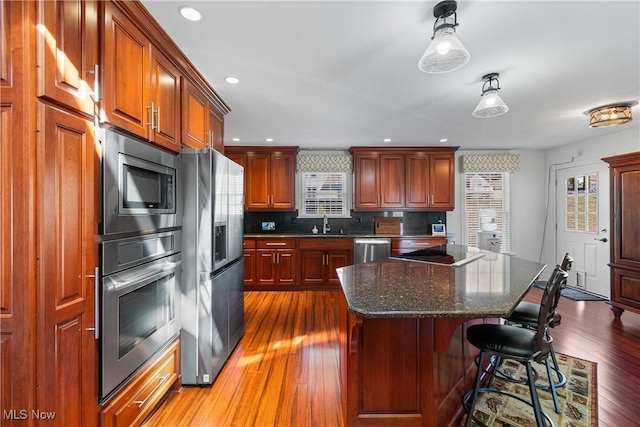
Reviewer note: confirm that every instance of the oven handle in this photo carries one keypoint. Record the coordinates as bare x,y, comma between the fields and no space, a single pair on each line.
134,281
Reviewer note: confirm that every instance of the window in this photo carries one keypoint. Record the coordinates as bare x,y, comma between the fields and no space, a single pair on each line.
323,193
487,190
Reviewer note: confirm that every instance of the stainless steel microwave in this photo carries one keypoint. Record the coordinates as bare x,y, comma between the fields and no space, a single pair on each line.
139,186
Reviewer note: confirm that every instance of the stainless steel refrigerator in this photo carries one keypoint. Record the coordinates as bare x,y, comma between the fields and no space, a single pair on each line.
212,290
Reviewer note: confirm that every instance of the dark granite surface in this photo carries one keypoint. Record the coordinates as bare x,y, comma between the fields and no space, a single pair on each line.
351,235
490,286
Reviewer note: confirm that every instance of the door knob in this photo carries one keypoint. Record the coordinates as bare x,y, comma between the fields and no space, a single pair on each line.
604,239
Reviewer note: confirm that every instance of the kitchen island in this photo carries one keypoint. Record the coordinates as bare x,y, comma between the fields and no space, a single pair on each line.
404,359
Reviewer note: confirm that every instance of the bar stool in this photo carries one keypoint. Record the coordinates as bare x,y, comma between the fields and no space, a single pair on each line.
526,315
524,345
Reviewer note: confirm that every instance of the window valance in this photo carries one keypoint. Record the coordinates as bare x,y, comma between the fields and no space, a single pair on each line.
490,163
324,163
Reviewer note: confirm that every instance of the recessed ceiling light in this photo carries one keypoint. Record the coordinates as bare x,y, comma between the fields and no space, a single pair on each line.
232,80
444,140
236,139
387,140
190,13
269,139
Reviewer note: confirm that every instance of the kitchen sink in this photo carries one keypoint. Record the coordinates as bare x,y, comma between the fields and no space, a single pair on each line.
325,235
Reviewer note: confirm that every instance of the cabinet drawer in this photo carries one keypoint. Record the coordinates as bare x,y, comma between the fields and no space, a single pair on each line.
326,243
276,243
249,243
131,405
399,246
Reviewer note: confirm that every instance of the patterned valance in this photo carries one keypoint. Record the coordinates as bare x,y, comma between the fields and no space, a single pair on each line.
324,163
490,163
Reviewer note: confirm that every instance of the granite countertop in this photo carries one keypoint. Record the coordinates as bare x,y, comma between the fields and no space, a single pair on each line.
349,235
490,286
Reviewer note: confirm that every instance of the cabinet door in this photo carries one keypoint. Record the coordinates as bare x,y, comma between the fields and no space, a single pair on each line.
216,124
336,259
126,73
165,95
195,116
366,181
391,177
68,52
257,195
249,256
417,190
66,359
283,181
441,178
287,266
266,266
312,267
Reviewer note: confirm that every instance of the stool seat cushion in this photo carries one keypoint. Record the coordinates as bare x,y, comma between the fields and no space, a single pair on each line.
509,341
526,313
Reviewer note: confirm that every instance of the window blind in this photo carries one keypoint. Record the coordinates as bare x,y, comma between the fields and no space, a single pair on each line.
487,190
323,193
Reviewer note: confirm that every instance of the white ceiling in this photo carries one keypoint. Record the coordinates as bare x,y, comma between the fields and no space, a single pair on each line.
334,74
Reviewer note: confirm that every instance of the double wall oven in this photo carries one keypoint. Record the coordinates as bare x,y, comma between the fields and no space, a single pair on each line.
141,260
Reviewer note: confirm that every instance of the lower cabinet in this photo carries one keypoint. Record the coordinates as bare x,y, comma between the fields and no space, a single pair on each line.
319,258
249,256
404,245
276,261
131,405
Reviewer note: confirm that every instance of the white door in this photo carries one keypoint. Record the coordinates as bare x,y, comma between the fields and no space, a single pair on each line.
582,224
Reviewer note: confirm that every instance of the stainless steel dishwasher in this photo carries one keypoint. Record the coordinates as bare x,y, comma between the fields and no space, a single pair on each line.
371,249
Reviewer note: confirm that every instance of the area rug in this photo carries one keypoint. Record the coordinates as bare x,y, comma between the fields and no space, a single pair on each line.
572,293
578,398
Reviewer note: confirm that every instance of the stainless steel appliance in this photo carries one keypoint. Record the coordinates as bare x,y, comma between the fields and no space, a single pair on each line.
212,286
370,249
140,310
139,186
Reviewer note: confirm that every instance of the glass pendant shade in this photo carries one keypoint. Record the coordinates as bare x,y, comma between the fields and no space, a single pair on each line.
490,105
445,53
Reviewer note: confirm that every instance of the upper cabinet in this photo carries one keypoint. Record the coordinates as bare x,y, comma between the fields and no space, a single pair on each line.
68,68
202,122
269,176
149,87
405,178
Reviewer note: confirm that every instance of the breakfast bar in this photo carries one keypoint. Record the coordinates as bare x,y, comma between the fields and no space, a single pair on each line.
404,359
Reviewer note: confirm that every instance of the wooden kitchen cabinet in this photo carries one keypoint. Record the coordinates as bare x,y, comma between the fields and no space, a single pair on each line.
249,256
319,258
66,353
269,176
404,245
276,262
142,86
131,405
404,178
68,53
624,173
202,123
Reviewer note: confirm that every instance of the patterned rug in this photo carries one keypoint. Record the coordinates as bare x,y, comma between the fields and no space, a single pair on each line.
578,398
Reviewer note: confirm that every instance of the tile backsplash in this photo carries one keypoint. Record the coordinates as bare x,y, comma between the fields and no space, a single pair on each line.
359,223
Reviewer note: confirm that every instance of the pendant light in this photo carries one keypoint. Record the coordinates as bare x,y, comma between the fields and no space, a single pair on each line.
446,52
490,105
609,116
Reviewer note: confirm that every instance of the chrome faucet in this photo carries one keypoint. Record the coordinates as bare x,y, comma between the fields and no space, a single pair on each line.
325,225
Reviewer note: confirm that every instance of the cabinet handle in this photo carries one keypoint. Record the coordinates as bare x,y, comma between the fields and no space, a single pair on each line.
275,243
153,126
141,403
96,305
158,125
96,86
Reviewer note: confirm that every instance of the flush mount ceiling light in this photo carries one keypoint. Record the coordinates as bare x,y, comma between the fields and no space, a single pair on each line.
190,13
446,52
232,80
610,115
490,105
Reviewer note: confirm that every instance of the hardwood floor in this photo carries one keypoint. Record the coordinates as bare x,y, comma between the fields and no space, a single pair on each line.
284,371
